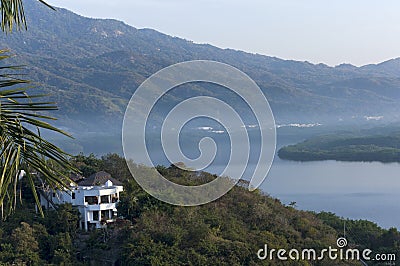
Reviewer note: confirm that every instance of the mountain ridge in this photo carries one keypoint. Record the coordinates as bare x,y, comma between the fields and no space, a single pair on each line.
102,61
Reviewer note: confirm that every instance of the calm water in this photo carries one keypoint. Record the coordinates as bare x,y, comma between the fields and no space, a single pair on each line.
350,189
354,190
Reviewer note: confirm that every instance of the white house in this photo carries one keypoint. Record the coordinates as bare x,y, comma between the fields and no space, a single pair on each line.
96,198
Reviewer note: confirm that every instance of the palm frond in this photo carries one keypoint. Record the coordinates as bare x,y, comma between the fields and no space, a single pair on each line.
22,146
12,13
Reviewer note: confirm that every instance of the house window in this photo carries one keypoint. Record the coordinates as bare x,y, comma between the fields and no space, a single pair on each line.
95,215
73,195
114,198
105,215
104,199
91,200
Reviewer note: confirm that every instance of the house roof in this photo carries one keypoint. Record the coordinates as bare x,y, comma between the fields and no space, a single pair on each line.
76,177
99,179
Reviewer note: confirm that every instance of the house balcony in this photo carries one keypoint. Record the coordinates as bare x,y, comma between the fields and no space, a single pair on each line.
101,207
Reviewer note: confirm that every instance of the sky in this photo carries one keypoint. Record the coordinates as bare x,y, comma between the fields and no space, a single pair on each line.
332,32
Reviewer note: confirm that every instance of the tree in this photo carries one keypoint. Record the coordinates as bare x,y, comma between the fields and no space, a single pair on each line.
25,245
21,122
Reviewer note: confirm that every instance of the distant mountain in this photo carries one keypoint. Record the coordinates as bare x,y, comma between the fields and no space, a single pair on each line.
91,67
390,68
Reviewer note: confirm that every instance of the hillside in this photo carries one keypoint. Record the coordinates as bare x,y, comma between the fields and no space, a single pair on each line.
91,67
228,231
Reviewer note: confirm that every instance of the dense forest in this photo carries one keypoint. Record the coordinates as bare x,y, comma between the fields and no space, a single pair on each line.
228,231
382,148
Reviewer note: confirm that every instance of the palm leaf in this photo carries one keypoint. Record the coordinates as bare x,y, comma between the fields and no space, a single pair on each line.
21,145
12,13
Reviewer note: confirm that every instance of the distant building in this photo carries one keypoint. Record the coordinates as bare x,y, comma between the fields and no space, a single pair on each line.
96,198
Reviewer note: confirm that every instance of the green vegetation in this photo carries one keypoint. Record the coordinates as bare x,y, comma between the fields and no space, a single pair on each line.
228,231
382,148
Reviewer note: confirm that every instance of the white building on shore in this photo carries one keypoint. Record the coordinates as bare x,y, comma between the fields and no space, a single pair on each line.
96,198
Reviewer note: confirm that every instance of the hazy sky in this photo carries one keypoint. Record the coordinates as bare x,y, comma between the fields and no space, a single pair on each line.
319,31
